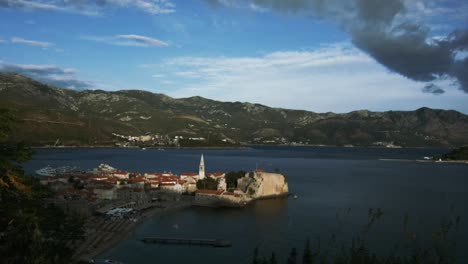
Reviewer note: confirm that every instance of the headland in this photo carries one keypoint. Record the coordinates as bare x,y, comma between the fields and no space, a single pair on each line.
113,202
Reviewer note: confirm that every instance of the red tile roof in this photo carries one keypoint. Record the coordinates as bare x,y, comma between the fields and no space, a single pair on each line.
136,180
231,194
154,174
167,183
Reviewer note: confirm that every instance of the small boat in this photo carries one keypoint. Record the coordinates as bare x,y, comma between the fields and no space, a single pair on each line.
46,171
50,171
295,197
143,148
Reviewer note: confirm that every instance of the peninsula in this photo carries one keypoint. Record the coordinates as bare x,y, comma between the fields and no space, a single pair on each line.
113,201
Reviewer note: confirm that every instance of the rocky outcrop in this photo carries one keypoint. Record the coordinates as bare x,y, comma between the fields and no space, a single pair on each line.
260,184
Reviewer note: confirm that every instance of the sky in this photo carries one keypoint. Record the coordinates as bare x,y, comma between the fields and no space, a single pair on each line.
322,56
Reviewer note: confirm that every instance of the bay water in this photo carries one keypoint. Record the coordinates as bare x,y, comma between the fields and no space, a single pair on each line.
336,187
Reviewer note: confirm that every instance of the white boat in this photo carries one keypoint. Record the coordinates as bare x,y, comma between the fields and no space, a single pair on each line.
104,168
49,171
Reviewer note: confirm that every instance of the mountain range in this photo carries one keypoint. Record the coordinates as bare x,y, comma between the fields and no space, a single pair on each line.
95,117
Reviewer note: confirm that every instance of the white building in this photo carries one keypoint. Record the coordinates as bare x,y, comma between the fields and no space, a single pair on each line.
189,175
121,174
171,187
222,186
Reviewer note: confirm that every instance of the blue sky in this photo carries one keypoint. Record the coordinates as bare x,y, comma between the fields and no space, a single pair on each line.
290,54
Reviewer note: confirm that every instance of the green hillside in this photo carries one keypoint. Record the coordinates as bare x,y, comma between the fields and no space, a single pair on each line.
91,117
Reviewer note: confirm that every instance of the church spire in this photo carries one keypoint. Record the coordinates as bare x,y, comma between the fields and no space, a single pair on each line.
201,172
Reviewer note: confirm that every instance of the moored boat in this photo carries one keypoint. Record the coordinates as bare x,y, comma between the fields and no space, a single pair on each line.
50,171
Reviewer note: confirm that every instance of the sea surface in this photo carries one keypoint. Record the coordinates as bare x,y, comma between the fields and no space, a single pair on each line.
336,189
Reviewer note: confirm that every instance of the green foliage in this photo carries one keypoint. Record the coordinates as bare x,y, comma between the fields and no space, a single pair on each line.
292,259
307,257
273,258
457,154
76,182
6,124
255,259
207,183
232,177
31,231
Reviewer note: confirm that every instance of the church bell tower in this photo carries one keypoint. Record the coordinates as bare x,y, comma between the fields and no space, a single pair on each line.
201,172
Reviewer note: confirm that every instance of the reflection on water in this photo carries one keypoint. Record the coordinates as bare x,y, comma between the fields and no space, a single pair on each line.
270,208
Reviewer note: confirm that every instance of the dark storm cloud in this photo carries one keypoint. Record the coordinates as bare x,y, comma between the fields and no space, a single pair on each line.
49,74
433,89
405,49
382,29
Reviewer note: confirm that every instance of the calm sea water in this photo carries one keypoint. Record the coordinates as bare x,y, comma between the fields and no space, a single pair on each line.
336,187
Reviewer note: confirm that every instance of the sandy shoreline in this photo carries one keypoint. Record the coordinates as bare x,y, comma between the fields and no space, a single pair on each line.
102,235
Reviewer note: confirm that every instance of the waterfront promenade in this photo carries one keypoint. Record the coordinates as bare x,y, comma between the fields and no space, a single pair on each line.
103,233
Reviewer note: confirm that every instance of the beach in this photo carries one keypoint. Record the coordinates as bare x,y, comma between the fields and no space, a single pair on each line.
102,234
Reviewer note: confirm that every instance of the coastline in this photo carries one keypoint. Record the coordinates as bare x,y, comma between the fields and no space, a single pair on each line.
428,161
158,148
88,252
108,240
243,146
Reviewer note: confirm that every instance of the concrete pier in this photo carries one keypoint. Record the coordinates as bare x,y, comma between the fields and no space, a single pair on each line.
188,241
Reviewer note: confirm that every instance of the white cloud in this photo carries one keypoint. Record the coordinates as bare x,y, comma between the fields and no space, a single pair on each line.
128,40
257,8
333,78
133,39
34,43
29,5
153,7
90,7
